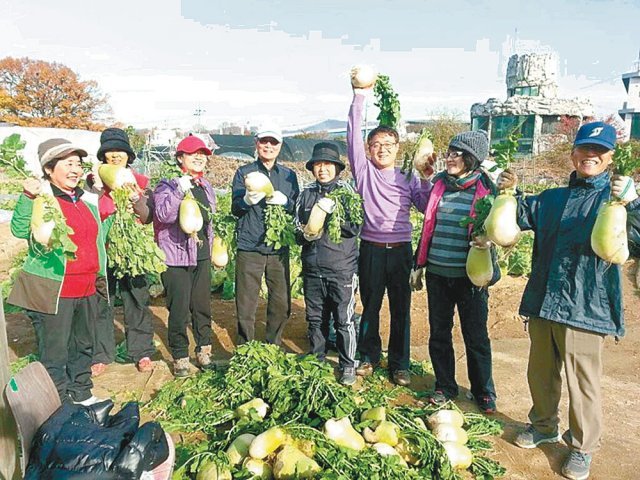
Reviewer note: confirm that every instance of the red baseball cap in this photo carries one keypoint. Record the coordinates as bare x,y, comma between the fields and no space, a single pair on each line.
191,144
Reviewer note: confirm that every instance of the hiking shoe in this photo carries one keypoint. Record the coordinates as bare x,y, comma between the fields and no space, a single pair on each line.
438,398
144,365
181,367
348,376
204,358
365,369
486,404
531,438
576,466
98,369
401,377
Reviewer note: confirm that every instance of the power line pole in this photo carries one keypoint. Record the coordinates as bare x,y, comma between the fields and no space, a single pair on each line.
198,113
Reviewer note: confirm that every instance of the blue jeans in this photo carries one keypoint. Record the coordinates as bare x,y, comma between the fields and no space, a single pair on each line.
444,294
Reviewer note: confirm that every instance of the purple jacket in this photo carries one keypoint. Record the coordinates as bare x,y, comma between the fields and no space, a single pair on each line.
387,195
180,248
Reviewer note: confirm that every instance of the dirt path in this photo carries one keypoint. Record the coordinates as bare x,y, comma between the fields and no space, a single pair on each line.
621,441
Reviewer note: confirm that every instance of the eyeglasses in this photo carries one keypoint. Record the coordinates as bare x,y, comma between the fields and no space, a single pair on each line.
453,154
386,146
269,140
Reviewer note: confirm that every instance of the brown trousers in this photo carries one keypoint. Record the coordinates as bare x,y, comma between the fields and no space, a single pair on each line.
552,345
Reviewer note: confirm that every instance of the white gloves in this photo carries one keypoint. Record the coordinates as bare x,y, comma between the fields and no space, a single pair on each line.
278,198
253,198
327,204
416,279
184,183
623,188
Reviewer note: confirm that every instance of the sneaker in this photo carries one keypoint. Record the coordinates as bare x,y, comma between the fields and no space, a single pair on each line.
181,367
98,369
486,404
348,376
531,438
89,401
438,398
204,358
365,369
401,377
576,466
144,365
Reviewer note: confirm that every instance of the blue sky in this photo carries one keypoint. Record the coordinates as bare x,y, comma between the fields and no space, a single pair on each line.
248,61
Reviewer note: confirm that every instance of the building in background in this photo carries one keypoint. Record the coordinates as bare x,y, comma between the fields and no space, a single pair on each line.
630,112
532,108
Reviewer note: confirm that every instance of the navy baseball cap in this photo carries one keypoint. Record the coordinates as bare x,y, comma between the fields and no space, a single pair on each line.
596,133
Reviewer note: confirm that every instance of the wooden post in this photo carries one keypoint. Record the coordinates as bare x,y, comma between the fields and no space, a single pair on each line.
9,456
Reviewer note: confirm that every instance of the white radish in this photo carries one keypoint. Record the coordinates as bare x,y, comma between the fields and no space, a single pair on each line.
363,76
190,217
501,223
258,182
479,266
609,234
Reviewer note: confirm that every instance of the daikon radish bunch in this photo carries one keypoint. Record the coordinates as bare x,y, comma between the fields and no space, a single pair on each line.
190,216
49,227
131,248
446,426
363,76
116,176
423,150
609,234
348,209
224,232
502,223
479,264
387,101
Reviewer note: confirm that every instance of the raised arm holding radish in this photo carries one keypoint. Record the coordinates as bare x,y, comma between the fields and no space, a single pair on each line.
385,250
573,298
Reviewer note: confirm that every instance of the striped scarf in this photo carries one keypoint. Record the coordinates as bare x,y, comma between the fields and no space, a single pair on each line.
459,183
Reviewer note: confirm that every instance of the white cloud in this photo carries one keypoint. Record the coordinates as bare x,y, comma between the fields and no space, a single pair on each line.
158,67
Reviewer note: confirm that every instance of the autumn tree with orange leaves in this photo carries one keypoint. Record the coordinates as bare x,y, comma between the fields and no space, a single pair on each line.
36,93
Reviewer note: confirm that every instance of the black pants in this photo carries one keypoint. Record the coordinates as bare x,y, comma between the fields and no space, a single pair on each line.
65,345
189,302
250,266
444,294
332,298
138,320
387,269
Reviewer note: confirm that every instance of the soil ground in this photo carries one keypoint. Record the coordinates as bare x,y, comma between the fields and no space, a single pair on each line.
617,458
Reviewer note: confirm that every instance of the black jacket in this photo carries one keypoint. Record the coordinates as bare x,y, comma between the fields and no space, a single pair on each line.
322,257
83,443
250,228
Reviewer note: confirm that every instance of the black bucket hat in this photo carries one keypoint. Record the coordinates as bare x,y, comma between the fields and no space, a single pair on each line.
325,152
115,139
